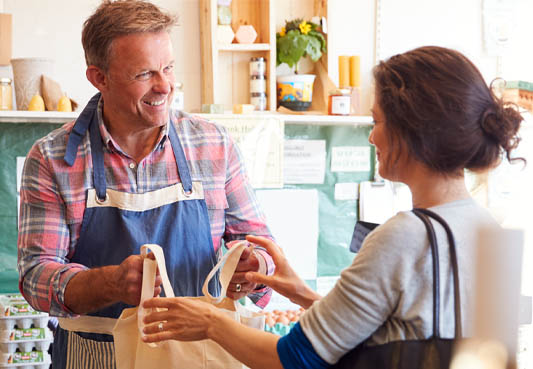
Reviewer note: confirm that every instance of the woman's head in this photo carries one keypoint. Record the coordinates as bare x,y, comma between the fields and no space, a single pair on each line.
437,108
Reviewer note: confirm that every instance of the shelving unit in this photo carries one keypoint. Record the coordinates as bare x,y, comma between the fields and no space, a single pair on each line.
225,68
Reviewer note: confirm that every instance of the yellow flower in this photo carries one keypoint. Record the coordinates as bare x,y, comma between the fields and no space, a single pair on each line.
305,27
282,32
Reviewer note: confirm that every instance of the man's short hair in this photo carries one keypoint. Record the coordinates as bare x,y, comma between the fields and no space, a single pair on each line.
113,19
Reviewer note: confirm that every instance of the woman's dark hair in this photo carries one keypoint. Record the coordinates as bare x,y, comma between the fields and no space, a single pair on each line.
435,100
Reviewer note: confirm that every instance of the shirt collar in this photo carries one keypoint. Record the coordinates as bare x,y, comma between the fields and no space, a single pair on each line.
108,140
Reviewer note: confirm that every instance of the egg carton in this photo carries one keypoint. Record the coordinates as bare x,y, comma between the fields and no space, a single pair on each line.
38,321
25,360
25,340
17,312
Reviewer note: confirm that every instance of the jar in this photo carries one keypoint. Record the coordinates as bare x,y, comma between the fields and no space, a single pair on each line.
178,99
257,84
259,100
339,102
6,94
258,66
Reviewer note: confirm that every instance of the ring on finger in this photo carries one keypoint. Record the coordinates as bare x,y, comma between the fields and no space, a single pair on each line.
160,326
238,287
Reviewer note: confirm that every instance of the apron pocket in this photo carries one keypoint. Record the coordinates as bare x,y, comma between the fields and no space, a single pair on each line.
84,353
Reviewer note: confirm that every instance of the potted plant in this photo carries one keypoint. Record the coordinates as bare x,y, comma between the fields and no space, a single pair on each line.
298,39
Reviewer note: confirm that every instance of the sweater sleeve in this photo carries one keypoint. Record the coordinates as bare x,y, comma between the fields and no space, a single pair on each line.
365,295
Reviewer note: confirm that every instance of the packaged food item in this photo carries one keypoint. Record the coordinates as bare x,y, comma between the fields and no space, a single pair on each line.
339,102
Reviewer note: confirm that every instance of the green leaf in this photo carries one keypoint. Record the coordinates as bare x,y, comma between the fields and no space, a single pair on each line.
321,38
291,48
313,48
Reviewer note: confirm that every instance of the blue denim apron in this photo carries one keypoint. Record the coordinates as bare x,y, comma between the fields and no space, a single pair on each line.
115,225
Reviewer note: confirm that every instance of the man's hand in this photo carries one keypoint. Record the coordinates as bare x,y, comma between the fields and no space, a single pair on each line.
239,286
94,289
127,280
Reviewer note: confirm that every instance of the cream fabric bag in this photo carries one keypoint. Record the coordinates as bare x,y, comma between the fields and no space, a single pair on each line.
132,353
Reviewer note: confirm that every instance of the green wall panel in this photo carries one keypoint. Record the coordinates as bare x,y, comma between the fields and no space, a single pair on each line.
336,218
16,139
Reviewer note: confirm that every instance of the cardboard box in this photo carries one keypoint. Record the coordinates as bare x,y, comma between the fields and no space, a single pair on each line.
5,39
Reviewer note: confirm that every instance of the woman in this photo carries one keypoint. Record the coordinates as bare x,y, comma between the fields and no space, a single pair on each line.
434,117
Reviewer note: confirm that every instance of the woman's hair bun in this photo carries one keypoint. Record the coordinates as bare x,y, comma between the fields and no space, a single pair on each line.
500,123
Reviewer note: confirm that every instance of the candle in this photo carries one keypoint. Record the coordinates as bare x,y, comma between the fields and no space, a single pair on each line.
355,71
344,71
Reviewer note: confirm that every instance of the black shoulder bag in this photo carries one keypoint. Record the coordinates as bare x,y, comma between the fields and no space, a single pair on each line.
434,352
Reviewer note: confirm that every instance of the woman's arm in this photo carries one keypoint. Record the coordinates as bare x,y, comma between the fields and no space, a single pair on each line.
192,319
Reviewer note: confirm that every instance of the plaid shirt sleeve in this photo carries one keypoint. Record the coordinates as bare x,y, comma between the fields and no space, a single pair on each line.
44,237
244,216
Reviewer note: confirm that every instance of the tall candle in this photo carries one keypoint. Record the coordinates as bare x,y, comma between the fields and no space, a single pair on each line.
355,71
344,71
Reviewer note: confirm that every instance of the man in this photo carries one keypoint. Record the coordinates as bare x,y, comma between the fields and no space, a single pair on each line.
122,175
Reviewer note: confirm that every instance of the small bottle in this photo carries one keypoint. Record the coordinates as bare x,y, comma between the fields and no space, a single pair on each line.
178,99
6,94
339,102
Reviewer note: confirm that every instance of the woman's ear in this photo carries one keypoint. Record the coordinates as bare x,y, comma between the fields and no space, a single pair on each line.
97,77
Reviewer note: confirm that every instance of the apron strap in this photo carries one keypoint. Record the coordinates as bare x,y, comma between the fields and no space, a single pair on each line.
88,324
80,128
181,161
97,153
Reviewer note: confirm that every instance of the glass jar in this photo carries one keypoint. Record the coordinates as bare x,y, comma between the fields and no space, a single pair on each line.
6,94
339,102
257,84
258,66
259,100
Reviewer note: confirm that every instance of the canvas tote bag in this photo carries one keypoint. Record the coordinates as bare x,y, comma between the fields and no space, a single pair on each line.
132,353
434,352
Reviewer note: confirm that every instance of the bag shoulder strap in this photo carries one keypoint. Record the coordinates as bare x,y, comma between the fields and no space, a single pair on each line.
423,214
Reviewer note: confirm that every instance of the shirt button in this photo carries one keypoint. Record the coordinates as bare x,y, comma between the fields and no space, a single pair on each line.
132,165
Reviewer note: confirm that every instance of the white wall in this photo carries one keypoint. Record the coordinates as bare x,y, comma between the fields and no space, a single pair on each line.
53,29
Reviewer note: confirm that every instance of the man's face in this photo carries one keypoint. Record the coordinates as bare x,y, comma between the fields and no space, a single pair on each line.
140,81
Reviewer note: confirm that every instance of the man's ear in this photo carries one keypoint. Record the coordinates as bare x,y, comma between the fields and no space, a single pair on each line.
97,77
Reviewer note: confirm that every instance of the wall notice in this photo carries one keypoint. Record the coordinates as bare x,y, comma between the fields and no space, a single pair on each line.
350,159
304,161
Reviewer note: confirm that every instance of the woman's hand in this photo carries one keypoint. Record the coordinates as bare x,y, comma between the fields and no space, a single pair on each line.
285,280
185,319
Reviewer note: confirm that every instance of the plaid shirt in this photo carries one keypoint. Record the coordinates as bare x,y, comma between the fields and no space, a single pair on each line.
53,197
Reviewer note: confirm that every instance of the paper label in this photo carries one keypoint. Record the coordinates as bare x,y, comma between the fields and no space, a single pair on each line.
350,159
304,161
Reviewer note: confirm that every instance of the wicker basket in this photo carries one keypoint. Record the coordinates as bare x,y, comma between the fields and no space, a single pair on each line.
27,74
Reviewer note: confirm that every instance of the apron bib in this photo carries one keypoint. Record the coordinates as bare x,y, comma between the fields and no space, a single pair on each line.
115,225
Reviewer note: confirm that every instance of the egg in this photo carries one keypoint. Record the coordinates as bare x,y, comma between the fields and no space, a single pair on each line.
283,320
270,322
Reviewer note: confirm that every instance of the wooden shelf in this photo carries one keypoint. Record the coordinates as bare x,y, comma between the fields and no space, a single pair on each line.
244,47
225,68
25,116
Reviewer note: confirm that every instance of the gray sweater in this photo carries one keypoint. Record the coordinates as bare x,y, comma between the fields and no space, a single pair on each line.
386,294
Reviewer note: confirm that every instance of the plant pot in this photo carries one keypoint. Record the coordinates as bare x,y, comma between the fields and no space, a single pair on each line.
295,91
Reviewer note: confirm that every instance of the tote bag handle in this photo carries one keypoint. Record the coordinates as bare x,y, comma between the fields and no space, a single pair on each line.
423,214
227,265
